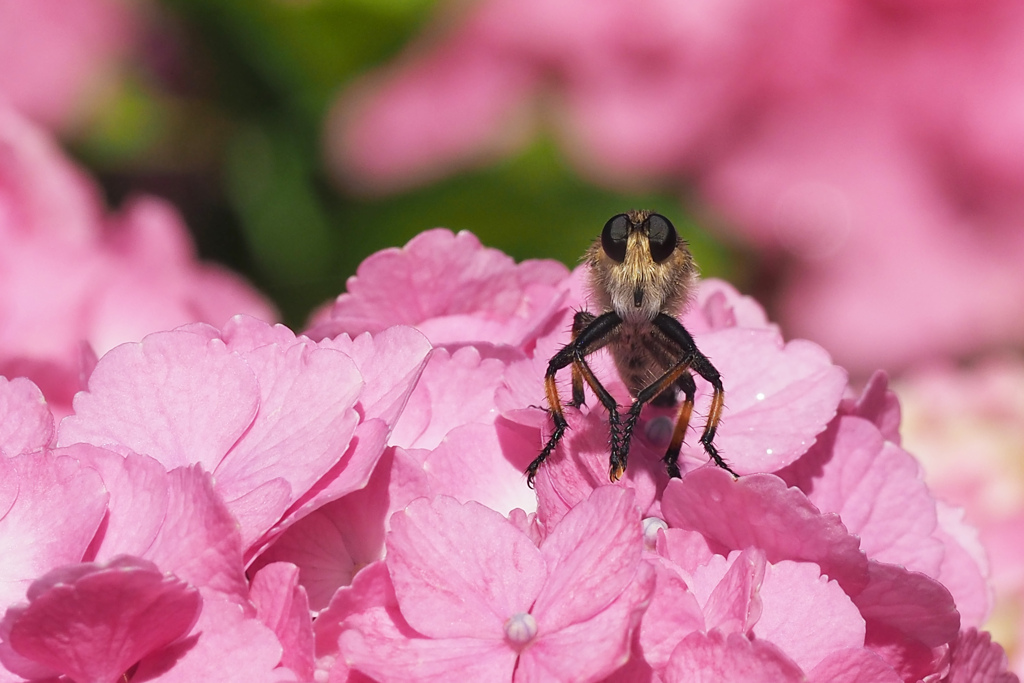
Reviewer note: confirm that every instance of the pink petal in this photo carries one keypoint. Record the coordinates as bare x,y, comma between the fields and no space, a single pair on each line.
671,616
282,606
916,606
334,541
50,509
385,655
975,658
716,658
471,464
199,539
877,404
180,397
733,604
440,274
853,666
94,625
227,641
390,363
305,416
591,557
26,424
456,388
879,490
805,615
591,648
964,569
371,588
364,625
778,398
719,305
758,510
139,490
461,570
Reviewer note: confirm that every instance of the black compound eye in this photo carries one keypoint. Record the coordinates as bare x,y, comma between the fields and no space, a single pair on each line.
662,236
614,237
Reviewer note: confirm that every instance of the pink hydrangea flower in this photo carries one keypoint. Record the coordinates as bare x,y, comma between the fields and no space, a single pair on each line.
354,508
849,139
76,282
56,54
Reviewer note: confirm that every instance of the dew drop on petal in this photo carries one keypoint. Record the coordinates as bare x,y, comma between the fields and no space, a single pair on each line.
768,451
760,396
520,629
659,430
651,526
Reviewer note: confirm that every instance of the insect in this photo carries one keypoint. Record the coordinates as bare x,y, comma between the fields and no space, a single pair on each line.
642,275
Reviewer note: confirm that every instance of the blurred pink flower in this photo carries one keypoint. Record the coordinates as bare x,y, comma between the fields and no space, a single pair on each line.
967,425
74,282
244,480
56,54
869,148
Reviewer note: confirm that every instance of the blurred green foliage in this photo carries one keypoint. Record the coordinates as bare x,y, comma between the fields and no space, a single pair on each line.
231,133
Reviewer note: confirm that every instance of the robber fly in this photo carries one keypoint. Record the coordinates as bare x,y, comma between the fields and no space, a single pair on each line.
642,276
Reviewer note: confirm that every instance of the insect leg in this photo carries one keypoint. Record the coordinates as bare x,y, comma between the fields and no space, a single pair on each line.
592,337
700,364
579,322
646,395
689,388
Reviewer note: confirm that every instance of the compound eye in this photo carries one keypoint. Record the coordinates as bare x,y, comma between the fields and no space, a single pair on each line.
614,237
662,236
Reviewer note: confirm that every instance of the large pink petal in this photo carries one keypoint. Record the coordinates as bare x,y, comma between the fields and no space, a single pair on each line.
733,604
470,464
50,509
592,556
304,423
918,607
671,616
181,397
805,615
974,658
853,666
964,569
384,654
282,606
778,398
878,489
592,648
461,569
456,388
436,274
391,363
26,424
716,658
139,496
226,641
199,540
759,510
93,625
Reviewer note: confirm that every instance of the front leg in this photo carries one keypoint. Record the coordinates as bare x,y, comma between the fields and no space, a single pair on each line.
699,363
593,337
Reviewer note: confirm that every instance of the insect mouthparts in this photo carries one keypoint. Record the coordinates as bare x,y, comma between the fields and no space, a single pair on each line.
638,297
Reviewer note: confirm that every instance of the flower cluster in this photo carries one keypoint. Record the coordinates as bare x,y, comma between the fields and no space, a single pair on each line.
75,282
349,505
849,138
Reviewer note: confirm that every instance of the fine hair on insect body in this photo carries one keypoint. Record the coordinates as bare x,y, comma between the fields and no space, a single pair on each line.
641,277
